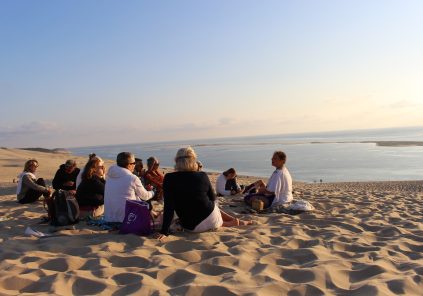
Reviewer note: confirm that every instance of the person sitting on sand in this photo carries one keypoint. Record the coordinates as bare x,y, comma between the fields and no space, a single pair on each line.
79,177
65,177
139,170
190,194
30,188
91,190
199,166
153,176
226,183
278,190
122,184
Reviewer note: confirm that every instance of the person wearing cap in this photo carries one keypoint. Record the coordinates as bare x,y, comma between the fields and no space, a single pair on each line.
65,177
226,183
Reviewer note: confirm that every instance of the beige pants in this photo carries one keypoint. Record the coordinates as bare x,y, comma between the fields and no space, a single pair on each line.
213,221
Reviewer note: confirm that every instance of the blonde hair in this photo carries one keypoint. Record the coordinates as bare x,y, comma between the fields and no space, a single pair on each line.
28,163
186,160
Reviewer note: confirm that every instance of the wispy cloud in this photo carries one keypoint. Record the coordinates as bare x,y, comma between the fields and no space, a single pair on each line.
402,104
34,127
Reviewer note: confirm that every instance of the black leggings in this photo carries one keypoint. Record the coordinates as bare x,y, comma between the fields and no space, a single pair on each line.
232,185
33,195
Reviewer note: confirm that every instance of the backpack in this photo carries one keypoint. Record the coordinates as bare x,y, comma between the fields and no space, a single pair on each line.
62,208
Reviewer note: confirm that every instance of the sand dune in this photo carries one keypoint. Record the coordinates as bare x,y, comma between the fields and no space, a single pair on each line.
362,239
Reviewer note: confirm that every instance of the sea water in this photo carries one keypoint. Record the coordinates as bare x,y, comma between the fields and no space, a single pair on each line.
329,157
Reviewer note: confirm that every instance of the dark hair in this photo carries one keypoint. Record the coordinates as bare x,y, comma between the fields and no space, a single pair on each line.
139,166
229,171
281,155
123,159
151,161
90,168
91,156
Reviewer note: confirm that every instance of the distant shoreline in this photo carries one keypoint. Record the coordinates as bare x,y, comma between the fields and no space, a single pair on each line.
45,150
378,143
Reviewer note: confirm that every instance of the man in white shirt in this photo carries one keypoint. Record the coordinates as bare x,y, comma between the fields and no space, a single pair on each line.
122,184
278,190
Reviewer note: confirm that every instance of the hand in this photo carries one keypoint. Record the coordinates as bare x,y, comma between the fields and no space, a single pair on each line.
262,190
69,183
159,236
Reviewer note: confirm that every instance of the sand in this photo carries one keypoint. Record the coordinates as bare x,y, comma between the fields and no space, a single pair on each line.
362,239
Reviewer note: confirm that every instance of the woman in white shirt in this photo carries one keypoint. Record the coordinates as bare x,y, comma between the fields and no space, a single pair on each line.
226,183
278,190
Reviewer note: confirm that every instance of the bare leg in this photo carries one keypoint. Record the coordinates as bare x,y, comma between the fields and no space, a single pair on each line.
229,221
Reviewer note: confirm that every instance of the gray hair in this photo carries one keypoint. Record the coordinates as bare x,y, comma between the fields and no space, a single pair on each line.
186,160
123,159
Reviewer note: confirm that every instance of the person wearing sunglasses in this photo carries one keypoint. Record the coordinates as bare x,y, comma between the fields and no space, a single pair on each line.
90,192
121,185
29,187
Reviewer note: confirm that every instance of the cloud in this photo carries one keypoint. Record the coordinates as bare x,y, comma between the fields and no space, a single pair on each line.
34,127
402,104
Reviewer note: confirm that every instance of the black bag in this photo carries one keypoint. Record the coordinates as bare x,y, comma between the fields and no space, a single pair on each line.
62,208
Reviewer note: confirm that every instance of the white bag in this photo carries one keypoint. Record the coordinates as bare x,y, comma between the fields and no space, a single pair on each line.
301,205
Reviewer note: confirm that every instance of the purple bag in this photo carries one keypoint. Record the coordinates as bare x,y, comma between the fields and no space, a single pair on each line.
137,218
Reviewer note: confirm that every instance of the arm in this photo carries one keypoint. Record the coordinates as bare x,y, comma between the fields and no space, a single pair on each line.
29,182
140,191
57,180
220,186
169,207
210,191
155,179
273,186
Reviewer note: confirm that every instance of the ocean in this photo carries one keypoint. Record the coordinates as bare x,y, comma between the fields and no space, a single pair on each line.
311,157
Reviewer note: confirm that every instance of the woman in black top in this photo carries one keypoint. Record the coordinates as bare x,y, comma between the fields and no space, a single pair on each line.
91,190
191,195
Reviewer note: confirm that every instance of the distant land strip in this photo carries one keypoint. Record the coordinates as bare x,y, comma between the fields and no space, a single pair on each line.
380,143
55,150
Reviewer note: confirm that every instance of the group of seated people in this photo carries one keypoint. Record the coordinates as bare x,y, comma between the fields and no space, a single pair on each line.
187,191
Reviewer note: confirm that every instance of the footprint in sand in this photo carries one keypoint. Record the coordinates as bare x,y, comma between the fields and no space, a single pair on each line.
132,261
87,286
127,278
178,278
297,276
365,273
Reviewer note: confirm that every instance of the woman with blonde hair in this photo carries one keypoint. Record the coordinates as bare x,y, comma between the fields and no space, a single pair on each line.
190,194
29,187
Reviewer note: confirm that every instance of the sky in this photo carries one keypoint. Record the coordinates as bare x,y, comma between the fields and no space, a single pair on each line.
84,73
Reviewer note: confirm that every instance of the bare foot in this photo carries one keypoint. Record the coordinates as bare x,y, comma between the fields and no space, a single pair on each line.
243,222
